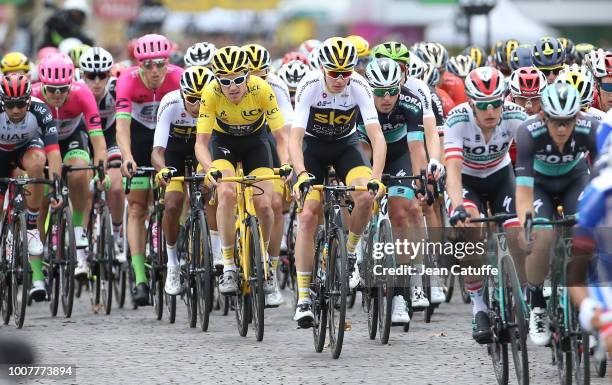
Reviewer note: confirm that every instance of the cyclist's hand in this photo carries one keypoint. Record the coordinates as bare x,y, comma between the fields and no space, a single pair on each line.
435,169
376,188
302,186
128,171
212,175
161,178
284,171
457,219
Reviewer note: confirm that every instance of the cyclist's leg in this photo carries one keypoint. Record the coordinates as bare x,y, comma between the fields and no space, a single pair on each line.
277,204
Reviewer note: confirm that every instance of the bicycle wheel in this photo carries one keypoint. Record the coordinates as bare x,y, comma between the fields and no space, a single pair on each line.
257,276
94,252
370,299
6,246
385,287
580,346
155,274
119,285
68,259
205,275
428,311
106,247
561,342
242,301
516,318
497,350
190,291
20,268
317,291
52,265
337,288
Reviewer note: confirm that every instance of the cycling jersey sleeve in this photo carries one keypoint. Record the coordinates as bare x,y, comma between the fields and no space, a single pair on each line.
524,157
48,127
421,90
124,101
365,100
268,101
206,119
453,138
90,112
284,100
303,101
164,119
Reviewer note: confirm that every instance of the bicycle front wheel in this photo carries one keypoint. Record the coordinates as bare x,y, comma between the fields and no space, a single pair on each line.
106,247
6,304
68,259
205,275
385,286
257,276
21,271
317,292
337,290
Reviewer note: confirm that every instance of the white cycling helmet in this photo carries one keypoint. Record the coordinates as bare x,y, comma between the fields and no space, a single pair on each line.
308,46
416,67
291,73
199,54
96,59
383,73
582,79
597,61
431,74
485,83
68,44
460,65
560,100
313,59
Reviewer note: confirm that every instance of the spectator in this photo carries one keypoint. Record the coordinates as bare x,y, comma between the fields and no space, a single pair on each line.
67,22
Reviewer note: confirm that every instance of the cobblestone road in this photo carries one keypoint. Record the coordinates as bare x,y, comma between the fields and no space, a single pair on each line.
131,347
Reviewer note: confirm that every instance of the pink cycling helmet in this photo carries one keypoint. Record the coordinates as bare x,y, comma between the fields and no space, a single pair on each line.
56,69
46,51
152,46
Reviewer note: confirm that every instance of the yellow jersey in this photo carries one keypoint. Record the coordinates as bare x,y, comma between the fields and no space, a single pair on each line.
257,107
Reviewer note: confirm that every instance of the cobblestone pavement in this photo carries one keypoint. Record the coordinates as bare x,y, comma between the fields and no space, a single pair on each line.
132,347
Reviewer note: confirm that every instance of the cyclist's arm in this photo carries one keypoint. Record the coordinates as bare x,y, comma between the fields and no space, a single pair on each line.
365,100
201,151
296,138
300,120
276,121
416,146
168,108
94,124
524,172
453,158
124,118
282,149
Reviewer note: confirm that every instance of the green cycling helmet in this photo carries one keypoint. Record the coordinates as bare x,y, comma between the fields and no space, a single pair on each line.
393,50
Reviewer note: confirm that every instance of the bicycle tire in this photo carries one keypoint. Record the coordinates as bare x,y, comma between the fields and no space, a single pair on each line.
189,274
68,259
497,350
370,292
206,273
317,292
337,290
106,273
95,257
155,275
515,314
580,350
450,287
386,287
601,366
258,296
6,303
21,270
242,300
120,285
52,264
426,280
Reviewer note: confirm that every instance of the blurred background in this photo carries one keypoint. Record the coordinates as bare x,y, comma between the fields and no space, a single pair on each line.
281,25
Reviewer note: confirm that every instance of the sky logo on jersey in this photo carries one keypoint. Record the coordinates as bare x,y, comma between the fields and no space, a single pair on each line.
334,118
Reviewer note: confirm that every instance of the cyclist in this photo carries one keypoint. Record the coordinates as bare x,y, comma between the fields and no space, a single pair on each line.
139,91
503,54
549,57
581,50
477,54
15,63
28,132
363,53
173,145
600,63
236,110
291,73
526,86
570,50
199,54
460,66
323,133
521,56
70,103
552,147
477,136
400,120
581,78
95,65
259,65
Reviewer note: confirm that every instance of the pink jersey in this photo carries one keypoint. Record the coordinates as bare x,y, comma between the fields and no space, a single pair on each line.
81,103
136,101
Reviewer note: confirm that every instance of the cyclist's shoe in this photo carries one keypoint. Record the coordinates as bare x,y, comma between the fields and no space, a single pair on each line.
481,328
354,277
173,280
419,299
38,292
303,315
399,313
141,294
538,326
546,290
35,246
119,252
276,298
270,285
80,236
82,268
437,294
227,283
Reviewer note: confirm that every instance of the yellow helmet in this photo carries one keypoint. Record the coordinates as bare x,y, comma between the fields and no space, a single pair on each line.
76,52
15,61
194,79
338,54
259,57
477,54
361,45
230,60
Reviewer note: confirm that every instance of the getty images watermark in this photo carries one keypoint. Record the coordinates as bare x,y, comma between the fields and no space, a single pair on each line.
412,250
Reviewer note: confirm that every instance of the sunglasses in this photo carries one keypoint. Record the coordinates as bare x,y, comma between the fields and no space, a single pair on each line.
150,63
548,71
607,87
96,75
338,74
382,92
560,122
192,99
225,82
489,104
9,104
525,99
57,89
